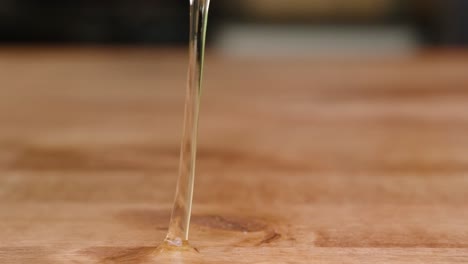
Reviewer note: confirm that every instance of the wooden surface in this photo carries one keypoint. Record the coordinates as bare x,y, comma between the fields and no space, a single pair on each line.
299,161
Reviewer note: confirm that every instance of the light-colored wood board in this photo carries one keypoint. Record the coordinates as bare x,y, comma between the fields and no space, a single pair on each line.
299,161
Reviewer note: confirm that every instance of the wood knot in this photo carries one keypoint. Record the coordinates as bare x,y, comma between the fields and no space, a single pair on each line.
229,223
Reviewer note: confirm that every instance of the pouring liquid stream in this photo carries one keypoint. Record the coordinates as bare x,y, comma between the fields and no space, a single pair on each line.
176,240
178,232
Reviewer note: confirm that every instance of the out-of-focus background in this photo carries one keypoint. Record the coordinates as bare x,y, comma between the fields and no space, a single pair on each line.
243,27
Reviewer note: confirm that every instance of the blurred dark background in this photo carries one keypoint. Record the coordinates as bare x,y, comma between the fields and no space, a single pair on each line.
405,23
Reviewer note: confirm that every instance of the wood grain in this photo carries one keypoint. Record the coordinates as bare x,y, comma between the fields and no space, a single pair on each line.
299,161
